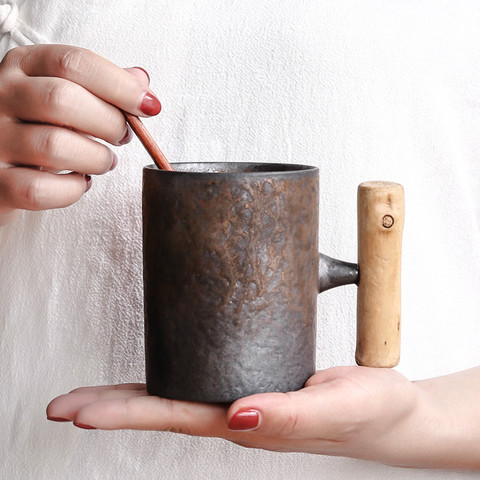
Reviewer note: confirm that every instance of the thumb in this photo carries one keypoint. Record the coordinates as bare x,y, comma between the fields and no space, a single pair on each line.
294,415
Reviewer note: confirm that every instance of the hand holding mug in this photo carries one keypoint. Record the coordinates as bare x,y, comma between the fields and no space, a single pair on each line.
368,413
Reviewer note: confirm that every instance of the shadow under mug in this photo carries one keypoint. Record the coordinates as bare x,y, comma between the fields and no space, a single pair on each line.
231,277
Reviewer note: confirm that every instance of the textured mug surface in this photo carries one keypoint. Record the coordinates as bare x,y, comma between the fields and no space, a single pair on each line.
230,254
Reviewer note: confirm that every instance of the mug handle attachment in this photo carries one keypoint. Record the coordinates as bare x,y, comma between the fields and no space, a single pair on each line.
381,213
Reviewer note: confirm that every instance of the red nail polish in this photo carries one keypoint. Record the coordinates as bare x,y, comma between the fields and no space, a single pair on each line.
150,105
84,426
145,72
88,179
58,419
245,420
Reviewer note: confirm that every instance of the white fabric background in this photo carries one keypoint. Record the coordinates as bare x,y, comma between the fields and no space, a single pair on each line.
365,90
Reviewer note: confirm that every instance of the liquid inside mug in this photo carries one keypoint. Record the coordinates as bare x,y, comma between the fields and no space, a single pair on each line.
231,277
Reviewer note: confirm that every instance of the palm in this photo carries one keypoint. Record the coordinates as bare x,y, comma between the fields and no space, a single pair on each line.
336,408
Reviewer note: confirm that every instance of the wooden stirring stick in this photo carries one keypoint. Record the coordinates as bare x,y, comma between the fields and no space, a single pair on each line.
148,142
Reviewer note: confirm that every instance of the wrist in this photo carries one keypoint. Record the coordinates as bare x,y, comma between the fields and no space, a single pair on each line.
435,426
450,416
417,441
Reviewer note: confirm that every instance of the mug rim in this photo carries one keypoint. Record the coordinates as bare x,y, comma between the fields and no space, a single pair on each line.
235,169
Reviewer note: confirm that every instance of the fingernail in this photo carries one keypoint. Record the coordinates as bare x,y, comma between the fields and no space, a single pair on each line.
245,420
58,419
88,179
150,105
145,72
114,162
84,426
127,137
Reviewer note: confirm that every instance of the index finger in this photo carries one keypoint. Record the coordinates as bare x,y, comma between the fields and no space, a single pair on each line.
91,71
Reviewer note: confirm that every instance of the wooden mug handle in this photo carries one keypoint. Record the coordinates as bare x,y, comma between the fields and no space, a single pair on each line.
381,212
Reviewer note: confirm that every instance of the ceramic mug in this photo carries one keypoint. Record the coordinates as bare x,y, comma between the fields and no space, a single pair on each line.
231,277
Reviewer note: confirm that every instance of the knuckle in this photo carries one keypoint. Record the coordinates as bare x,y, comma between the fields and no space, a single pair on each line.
70,62
288,424
8,83
51,142
58,96
33,194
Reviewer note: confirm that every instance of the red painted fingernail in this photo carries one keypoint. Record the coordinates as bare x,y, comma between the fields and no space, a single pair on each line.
245,420
145,72
58,419
114,162
84,426
88,179
150,105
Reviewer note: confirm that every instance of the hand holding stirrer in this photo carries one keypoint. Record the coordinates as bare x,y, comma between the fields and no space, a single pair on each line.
148,142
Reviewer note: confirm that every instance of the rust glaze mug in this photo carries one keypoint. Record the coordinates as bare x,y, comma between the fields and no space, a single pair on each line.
231,277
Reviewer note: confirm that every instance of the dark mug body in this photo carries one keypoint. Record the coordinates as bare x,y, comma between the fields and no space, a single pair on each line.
230,255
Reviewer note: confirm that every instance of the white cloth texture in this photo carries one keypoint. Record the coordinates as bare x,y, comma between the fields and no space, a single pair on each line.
13,25
372,90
